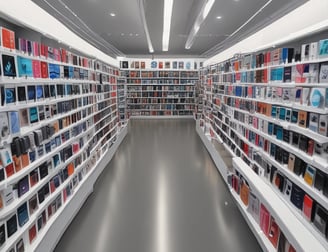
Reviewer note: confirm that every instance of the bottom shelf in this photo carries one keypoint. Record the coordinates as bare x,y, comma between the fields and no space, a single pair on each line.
162,117
59,224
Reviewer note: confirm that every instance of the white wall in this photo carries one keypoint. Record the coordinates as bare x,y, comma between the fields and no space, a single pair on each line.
308,18
32,16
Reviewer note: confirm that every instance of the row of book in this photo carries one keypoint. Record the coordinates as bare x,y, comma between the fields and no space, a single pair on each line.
159,65
22,94
160,113
277,56
72,175
13,123
299,73
34,68
160,107
259,213
161,88
36,49
25,150
315,97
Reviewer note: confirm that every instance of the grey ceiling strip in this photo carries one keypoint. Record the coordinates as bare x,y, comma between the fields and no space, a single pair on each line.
144,23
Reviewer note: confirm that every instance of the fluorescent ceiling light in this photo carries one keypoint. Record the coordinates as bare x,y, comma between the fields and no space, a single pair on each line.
112,14
218,17
168,6
144,23
205,10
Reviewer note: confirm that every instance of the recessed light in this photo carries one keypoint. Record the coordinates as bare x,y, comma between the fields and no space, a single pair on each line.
137,34
112,14
218,17
122,34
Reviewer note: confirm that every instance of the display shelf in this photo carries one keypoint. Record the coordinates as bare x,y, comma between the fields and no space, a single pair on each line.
161,117
298,235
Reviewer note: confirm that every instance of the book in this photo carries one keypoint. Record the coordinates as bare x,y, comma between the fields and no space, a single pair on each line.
323,74
23,186
320,219
7,38
318,97
4,126
305,52
274,233
8,65
33,204
313,121
22,214
44,69
264,220
54,71
36,68
21,94
307,207
20,247
313,52
11,225
323,48
32,233
36,49
299,72
33,114
22,45
14,122
24,66
309,175
323,124
2,234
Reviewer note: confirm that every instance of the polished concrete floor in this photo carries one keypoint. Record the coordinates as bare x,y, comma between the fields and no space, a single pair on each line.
160,193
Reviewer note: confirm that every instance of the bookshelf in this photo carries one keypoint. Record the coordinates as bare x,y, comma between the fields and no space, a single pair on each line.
59,128
161,88
122,92
269,110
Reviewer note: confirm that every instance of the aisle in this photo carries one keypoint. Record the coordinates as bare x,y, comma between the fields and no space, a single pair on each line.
160,193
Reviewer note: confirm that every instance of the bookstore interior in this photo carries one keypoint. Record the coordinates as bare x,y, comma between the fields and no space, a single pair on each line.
259,88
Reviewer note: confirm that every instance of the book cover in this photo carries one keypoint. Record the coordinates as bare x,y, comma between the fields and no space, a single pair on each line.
36,49
22,214
8,65
307,207
44,70
313,52
29,47
4,126
160,65
54,71
313,121
312,73
24,67
264,220
305,52
36,69
274,233
323,74
309,175
22,45
11,225
317,97
323,48
7,38
299,71
287,74
14,122
32,233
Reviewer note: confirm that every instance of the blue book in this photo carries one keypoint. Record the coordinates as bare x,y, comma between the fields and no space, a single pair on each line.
14,122
54,71
280,74
24,67
70,72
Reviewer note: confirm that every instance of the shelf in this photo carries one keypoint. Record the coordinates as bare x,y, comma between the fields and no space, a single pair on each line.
298,235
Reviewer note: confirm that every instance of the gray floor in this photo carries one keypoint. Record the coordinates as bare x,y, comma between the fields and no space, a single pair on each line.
160,193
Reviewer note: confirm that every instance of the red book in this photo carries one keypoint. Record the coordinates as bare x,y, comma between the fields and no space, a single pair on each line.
44,70
264,220
63,55
10,170
160,65
32,233
7,38
52,186
44,50
267,58
36,69
307,207
64,195
274,233
36,49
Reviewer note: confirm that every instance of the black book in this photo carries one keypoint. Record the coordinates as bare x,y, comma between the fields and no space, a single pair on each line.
11,225
21,90
43,169
320,179
287,74
2,234
297,196
299,166
320,219
9,66
23,186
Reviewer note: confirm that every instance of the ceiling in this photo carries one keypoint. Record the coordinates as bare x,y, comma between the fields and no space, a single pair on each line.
124,34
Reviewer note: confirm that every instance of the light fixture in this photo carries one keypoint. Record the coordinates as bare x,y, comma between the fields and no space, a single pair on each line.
144,23
218,17
168,7
204,11
112,14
